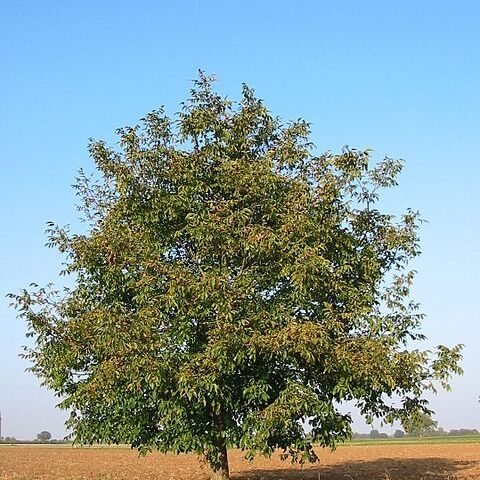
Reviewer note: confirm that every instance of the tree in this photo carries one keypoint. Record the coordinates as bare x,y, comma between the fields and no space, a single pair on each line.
44,436
463,431
229,285
374,433
399,434
420,424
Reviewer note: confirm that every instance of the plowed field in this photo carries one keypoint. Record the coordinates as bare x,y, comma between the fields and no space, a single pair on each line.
372,462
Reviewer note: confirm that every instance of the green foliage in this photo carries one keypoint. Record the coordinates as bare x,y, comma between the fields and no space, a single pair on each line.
230,286
420,424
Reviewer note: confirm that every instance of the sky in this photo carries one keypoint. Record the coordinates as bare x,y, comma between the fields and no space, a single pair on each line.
400,77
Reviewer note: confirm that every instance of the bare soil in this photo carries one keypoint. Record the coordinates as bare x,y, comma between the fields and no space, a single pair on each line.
372,462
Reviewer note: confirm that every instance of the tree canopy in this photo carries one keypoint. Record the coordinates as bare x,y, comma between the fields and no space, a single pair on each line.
230,286
44,436
420,424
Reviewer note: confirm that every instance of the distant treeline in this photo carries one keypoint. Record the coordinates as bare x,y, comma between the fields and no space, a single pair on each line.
36,442
439,432
373,434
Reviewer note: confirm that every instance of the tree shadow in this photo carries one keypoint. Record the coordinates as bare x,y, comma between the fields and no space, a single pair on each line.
381,469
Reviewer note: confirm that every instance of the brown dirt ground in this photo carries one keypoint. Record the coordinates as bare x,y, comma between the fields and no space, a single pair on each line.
374,462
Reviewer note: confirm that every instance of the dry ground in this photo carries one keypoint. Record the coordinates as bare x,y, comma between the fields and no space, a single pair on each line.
382,462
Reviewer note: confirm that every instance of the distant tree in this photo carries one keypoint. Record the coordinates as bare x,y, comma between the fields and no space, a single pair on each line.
399,434
420,424
228,285
44,436
374,433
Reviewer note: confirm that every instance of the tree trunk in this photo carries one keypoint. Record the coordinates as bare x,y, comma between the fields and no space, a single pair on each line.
219,469
222,471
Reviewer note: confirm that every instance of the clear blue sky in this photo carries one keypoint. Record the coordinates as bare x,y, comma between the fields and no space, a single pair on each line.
401,77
